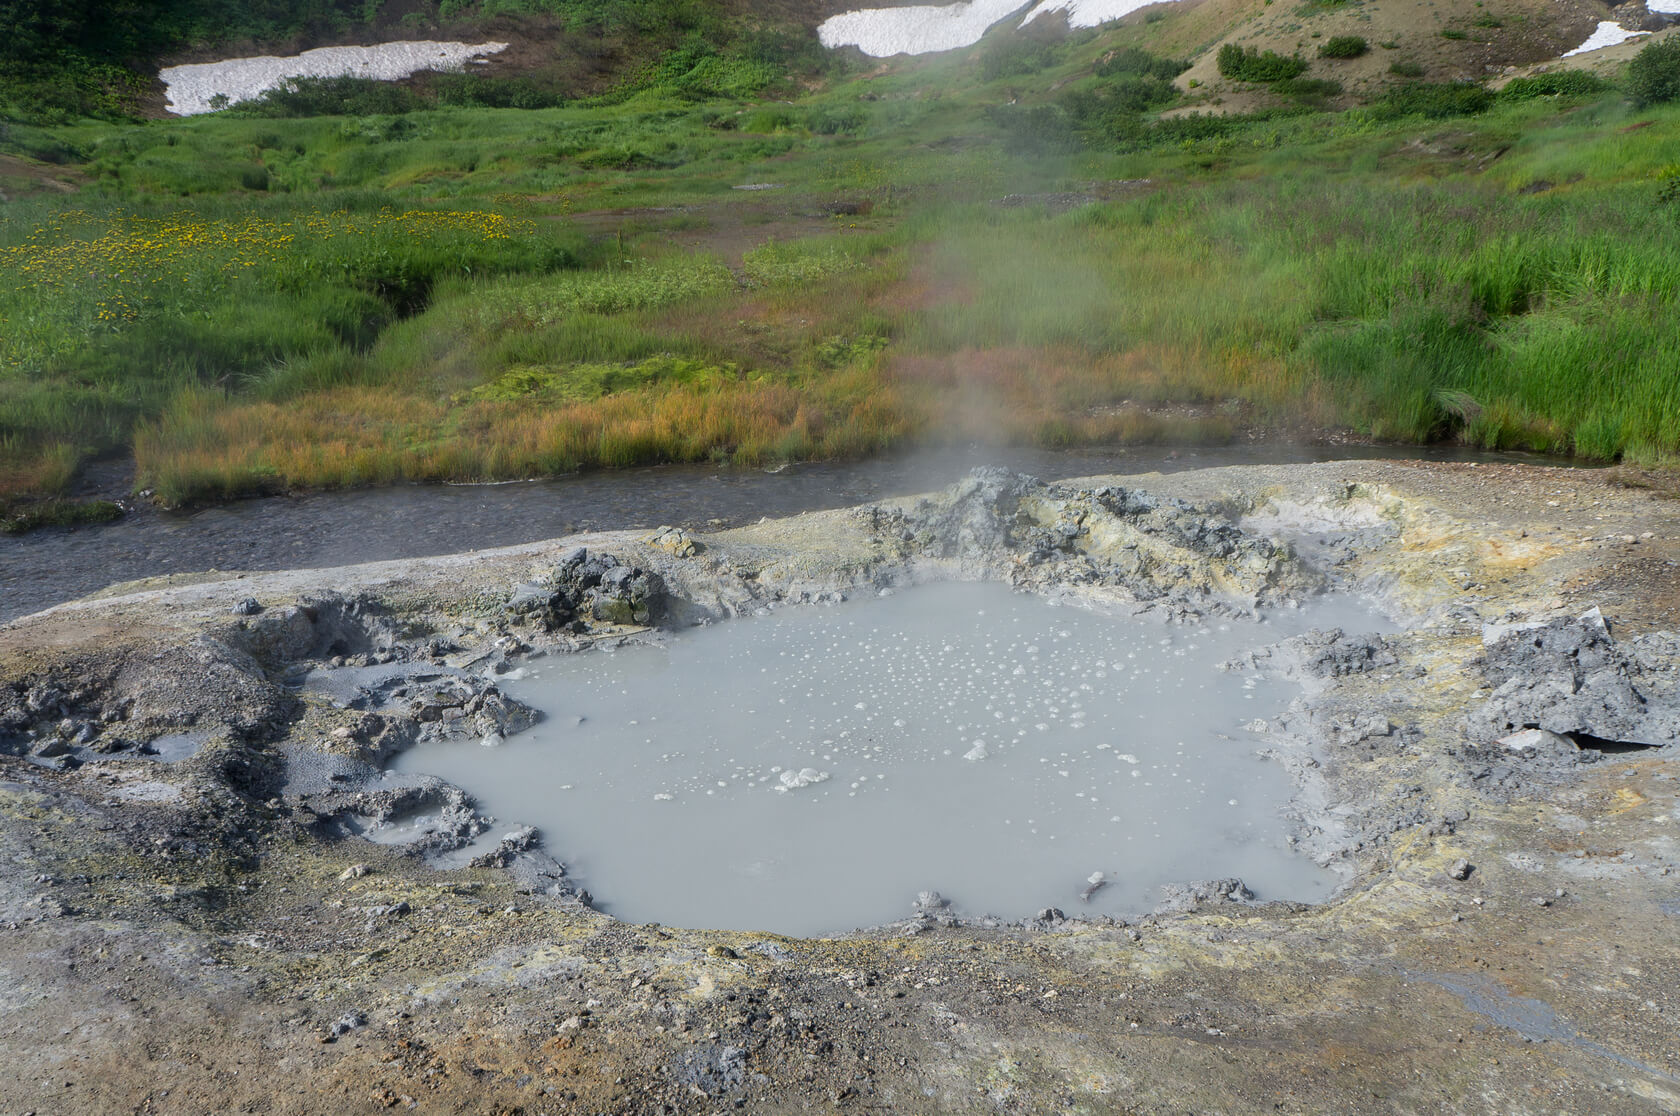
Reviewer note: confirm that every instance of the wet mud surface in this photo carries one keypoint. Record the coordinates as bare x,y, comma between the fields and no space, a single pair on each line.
193,918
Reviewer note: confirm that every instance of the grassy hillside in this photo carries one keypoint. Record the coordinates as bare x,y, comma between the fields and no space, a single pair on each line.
82,58
1028,241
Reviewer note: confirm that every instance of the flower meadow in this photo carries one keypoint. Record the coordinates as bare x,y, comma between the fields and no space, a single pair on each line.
106,316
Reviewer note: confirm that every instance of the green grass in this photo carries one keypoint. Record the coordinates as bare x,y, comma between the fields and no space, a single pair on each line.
466,292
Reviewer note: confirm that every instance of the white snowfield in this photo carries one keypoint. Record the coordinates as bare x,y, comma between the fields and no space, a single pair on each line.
1606,34
928,29
192,88
1091,13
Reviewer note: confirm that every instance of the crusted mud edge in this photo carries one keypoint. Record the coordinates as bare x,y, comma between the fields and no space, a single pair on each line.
190,921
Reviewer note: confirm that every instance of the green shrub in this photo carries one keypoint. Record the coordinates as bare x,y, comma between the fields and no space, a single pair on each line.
1406,69
1454,33
1128,82
496,91
1309,89
1565,83
836,121
1038,130
1132,62
770,120
1343,46
1011,55
1653,77
1126,96
1435,100
332,96
1246,64
1135,134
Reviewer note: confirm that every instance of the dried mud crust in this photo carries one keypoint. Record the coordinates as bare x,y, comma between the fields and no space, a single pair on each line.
209,935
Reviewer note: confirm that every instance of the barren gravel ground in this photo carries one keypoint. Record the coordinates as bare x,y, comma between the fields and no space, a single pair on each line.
204,936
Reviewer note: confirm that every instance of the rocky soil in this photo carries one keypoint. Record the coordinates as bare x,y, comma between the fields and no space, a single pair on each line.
190,920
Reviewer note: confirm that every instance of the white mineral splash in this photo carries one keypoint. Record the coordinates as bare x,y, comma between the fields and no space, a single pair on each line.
928,29
193,89
813,770
1606,34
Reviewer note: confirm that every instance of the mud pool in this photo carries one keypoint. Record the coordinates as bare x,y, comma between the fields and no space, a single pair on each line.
213,934
815,769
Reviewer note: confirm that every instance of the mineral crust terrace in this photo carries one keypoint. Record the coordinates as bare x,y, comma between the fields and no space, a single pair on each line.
190,923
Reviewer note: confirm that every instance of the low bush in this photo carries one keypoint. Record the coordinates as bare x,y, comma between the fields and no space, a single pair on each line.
1343,46
1132,62
1012,55
1246,64
332,96
1435,100
847,120
1406,69
1039,130
1127,96
495,91
1564,83
1312,90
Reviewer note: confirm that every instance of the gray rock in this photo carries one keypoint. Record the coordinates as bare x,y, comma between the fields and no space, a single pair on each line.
532,601
519,841
1461,869
1571,677
1179,898
344,1024
674,541
710,1070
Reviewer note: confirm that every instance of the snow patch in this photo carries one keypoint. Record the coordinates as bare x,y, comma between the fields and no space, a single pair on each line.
929,29
1607,34
1091,13
192,88
923,29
